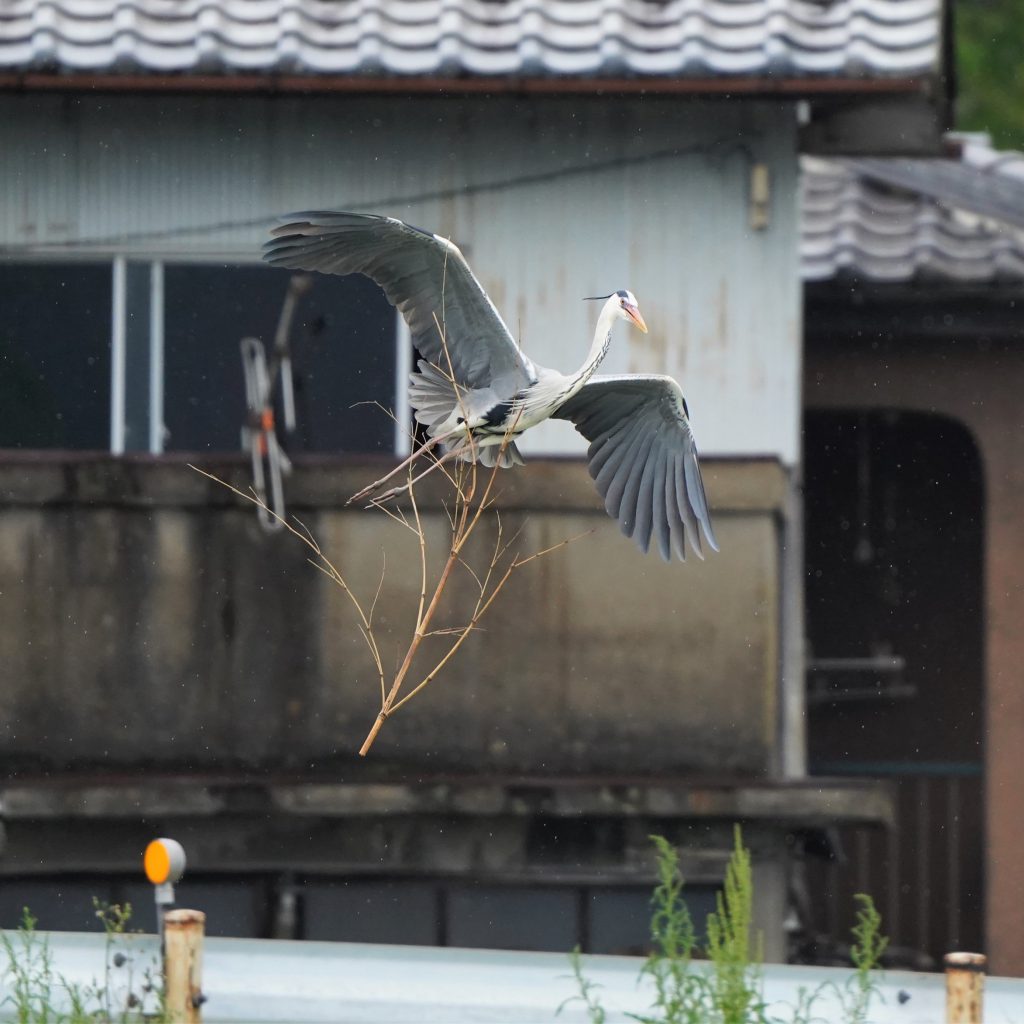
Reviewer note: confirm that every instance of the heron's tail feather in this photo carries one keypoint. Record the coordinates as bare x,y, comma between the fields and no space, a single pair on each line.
505,458
487,455
435,402
432,395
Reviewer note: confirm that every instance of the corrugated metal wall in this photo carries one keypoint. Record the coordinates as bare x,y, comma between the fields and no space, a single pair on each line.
551,200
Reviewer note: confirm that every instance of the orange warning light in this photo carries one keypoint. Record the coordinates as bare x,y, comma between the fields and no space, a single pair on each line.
164,861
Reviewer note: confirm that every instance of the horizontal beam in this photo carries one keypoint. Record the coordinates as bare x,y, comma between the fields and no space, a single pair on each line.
822,801
724,87
46,478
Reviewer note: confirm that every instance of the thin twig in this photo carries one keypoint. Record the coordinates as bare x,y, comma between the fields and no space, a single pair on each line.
310,543
473,497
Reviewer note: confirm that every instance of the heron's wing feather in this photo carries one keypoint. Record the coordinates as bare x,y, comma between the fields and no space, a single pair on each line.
643,459
424,276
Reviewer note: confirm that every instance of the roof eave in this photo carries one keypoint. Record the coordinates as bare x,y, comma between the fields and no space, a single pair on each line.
723,87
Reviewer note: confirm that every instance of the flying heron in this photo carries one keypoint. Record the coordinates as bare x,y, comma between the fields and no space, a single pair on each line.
475,391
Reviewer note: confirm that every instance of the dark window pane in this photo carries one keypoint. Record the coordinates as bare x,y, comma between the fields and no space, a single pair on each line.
138,297
506,917
55,355
343,341
371,911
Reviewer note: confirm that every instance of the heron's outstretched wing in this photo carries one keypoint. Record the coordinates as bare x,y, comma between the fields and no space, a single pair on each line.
643,459
424,276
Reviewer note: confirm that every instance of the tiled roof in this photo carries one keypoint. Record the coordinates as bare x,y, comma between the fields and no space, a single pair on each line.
904,220
600,38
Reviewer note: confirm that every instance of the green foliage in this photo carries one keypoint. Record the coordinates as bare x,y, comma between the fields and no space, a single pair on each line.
866,954
680,994
728,990
736,971
29,975
587,991
990,72
40,995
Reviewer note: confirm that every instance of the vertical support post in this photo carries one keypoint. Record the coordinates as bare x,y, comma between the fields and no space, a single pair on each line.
183,961
792,724
403,367
965,984
156,358
118,348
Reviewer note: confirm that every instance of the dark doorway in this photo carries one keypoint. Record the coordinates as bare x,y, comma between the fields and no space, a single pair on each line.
894,520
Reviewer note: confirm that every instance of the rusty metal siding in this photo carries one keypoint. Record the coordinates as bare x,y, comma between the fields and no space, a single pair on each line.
551,200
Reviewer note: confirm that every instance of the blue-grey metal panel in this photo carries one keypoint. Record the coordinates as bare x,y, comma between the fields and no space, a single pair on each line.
551,201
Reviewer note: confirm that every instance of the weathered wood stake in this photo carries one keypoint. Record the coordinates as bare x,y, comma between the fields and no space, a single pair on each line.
183,962
965,984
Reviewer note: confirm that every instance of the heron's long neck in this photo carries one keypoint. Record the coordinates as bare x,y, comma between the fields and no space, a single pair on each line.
599,346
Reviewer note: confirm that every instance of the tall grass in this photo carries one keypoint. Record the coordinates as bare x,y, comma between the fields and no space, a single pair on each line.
729,988
130,991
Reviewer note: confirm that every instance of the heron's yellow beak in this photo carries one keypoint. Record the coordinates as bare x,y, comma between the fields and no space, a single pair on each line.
634,314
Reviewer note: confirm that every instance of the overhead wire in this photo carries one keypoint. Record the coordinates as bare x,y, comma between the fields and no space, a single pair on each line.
721,150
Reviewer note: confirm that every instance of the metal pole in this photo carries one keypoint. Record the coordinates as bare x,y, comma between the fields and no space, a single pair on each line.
118,357
965,984
183,961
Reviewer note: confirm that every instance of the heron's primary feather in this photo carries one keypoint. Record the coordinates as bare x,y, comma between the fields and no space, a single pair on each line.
424,276
643,459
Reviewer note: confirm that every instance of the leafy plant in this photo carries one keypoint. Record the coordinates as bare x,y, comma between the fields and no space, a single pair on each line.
587,991
989,71
29,974
866,953
736,972
680,994
728,989
40,995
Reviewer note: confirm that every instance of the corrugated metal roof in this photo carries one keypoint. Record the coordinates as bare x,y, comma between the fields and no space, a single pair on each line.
902,220
584,38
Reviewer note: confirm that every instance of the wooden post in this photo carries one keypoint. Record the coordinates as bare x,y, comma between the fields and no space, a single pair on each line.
183,961
965,983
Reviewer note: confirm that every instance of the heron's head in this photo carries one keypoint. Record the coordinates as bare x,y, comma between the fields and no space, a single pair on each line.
628,308
623,304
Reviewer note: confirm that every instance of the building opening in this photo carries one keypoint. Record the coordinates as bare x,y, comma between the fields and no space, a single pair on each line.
894,532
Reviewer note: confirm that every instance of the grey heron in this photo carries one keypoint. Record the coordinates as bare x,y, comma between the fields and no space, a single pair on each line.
475,391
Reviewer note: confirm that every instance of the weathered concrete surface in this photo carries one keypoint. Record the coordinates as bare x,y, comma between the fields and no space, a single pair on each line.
148,623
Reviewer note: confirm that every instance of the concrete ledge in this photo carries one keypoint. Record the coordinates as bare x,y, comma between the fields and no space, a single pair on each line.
99,479
808,802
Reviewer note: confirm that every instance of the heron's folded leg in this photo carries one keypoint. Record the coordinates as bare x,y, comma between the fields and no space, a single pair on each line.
457,452
422,450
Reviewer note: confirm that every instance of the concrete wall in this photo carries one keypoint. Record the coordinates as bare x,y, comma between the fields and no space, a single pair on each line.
149,623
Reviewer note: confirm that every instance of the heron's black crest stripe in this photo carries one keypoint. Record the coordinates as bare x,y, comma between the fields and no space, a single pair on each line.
597,298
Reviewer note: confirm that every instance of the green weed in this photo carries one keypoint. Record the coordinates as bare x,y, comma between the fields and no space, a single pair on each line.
735,965
866,953
729,988
38,994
